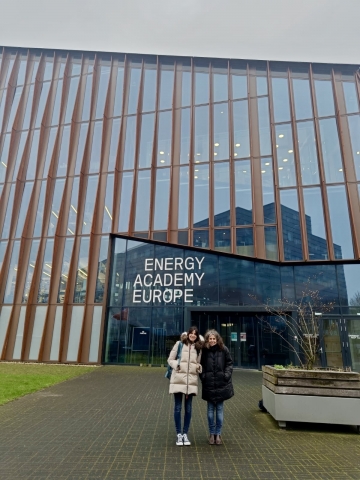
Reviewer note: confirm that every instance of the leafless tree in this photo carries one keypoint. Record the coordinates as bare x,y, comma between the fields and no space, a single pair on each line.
355,299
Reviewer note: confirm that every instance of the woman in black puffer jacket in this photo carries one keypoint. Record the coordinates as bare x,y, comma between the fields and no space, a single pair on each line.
217,366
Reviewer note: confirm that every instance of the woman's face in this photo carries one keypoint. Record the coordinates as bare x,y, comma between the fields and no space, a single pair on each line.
192,336
212,340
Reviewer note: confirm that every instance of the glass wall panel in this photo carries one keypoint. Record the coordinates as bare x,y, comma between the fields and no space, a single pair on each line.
45,87
143,201
55,343
245,242
81,147
71,228
268,289
29,104
264,126
354,127
185,136
149,94
146,140
285,155
19,154
4,323
66,261
75,333
330,147
14,107
134,89
222,240
101,273
125,201
119,92
290,219
2,105
25,201
19,335
162,192
48,70
351,98
30,269
56,204
241,129
243,196
57,103
201,196
108,207
49,150
221,195
40,210
308,154
114,142
8,217
64,152
87,98
324,98
74,84
37,333
201,88
8,74
186,89
271,245
315,227
348,281
3,246
261,86
91,192
46,271
302,98
12,274
201,137
280,92
95,157
340,224
201,238
21,73
82,271
220,85
183,204
129,152
221,131
268,190
4,157
35,69
32,162
164,138
166,87
239,86
102,91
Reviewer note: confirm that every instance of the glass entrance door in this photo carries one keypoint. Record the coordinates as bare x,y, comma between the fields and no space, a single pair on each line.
352,342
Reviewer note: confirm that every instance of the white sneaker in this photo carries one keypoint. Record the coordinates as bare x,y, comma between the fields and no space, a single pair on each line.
186,440
179,439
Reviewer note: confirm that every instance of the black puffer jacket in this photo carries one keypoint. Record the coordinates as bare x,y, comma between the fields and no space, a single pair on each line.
217,366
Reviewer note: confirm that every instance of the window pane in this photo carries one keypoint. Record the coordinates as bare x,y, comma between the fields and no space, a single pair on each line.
351,98
49,151
95,157
40,210
68,248
48,68
129,152
2,105
12,274
119,92
221,195
30,270
56,108
134,89
239,86
261,86
186,89
73,207
81,147
102,91
183,204
162,191
340,224
268,190
14,107
21,73
45,87
166,88
29,104
264,126
201,140
201,87
285,155
108,207
164,138
324,98
143,201
185,136
74,83
64,152
243,197
44,286
201,238
87,98
25,201
149,89
114,142
280,93
354,127
55,208
245,242
302,99
221,131
125,201
3,246
290,219
241,129
146,140
201,196
308,154
101,274
222,240
331,151
32,162
220,87
4,157
315,227
82,271
89,203
7,221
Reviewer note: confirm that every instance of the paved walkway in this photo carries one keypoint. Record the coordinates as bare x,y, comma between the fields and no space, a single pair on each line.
116,423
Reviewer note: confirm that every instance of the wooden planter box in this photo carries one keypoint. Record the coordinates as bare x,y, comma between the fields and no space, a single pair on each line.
313,396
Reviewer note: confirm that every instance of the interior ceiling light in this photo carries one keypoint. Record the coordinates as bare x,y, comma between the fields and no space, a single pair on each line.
197,161
196,169
162,161
357,153
215,153
285,160
267,163
216,144
281,135
237,144
235,154
277,146
161,153
244,171
281,168
198,154
340,169
263,171
195,176
290,151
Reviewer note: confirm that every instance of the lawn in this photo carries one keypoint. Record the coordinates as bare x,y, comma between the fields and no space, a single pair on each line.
18,379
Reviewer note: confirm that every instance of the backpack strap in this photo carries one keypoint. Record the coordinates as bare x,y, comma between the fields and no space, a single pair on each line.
180,347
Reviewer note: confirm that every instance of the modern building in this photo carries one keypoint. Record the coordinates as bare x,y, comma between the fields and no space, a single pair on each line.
142,194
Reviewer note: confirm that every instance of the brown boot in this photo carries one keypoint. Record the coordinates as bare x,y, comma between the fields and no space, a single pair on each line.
211,439
218,440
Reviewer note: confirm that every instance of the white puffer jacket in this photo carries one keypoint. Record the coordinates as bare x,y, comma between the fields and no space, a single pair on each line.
185,380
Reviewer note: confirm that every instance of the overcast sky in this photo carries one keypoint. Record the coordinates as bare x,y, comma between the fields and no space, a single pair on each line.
297,30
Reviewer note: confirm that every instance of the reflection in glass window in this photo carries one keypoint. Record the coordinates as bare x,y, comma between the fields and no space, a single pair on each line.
64,152
186,89
302,98
101,273
125,201
340,224
40,210
129,152
12,274
166,87
29,104
56,109
19,154
281,101
285,155
245,242
25,201
354,127
10,67
264,126
201,238
308,154
201,196
348,280
91,192
4,157
81,147
221,131
95,156
149,94
243,197
7,221
82,271
241,129
108,206
87,98
143,201
49,150
324,98
46,271
68,249
221,194
315,227
21,73
48,69
74,83
220,87
134,89
330,147
261,86
351,98
164,138
183,204
119,92
268,190
114,142
14,107
162,192
222,240
102,91
56,204
185,136
290,219
71,228
45,87
30,269
239,86
146,140
35,69
201,138
201,87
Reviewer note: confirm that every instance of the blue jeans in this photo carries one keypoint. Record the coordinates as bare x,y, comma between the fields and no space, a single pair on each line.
215,429
177,412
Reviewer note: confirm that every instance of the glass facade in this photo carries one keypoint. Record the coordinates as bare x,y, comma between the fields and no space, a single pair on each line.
256,160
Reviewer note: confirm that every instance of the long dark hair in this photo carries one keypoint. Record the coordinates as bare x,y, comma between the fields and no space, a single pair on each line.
198,343
219,340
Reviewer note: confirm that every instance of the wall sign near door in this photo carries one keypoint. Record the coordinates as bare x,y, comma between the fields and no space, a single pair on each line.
234,336
243,337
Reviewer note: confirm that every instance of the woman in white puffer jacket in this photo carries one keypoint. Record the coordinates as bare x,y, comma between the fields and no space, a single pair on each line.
184,379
